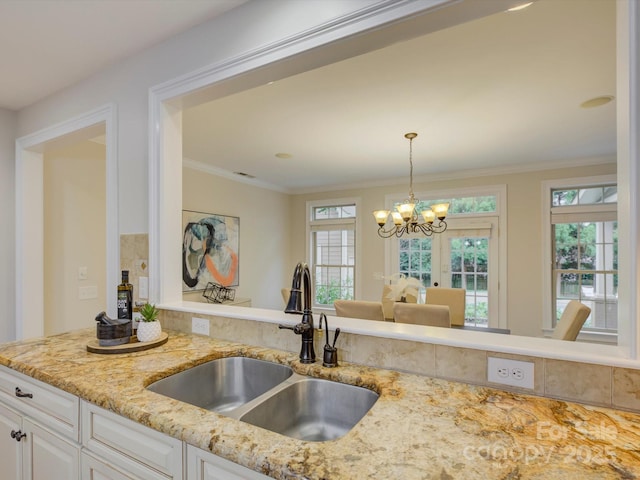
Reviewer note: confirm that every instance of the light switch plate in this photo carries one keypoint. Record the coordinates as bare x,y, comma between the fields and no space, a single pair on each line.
83,273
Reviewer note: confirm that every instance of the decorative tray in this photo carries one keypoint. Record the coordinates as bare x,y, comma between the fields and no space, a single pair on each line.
133,346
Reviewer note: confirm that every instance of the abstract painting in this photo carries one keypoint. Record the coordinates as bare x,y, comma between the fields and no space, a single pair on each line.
210,250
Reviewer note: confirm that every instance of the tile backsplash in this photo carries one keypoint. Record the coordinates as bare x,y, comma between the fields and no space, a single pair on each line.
600,385
134,256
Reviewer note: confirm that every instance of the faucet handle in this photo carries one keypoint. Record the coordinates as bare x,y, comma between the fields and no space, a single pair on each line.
298,328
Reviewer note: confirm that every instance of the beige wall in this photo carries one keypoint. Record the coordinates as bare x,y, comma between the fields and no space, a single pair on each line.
524,224
74,232
264,231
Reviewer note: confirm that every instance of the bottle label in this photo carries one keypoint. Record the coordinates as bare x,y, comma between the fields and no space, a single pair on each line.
124,304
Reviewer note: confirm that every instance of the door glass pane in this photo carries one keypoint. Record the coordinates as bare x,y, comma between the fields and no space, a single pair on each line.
469,260
415,259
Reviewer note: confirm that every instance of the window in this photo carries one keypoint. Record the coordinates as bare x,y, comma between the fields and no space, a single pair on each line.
584,244
333,251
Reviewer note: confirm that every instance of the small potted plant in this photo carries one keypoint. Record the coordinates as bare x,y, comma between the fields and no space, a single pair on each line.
149,328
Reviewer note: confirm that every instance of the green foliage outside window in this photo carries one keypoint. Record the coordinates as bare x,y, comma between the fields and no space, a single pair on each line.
327,294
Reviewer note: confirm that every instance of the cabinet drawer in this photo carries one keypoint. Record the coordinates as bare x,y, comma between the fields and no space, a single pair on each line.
118,440
49,405
203,465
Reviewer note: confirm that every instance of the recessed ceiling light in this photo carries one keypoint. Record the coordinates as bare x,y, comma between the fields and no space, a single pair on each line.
597,101
242,174
519,7
284,155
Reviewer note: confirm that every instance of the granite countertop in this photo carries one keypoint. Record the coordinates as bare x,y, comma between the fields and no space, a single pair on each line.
420,427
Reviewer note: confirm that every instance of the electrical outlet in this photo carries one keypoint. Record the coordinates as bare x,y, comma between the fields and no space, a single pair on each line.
510,372
87,293
200,326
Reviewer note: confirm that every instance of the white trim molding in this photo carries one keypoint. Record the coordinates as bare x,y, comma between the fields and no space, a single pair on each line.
347,36
29,213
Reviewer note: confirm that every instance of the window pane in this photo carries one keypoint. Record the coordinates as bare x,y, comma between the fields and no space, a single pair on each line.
568,286
564,197
333,256
584,196
334,211
586,262
588,196
462,205
486,204
610,194
566,245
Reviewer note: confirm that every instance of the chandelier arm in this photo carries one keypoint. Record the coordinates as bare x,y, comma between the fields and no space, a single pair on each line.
387,233
401,231
439,228
426,229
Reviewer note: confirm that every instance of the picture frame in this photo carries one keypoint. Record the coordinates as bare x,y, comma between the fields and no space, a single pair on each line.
210,250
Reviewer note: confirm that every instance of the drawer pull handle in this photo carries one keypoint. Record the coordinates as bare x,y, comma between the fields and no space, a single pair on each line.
18,435
21,394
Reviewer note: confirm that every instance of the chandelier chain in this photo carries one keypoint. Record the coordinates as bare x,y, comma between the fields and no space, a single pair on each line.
411,197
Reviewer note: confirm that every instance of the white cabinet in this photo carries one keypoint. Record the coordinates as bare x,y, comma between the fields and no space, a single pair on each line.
48,434
38,430
10,449
202,465
139,451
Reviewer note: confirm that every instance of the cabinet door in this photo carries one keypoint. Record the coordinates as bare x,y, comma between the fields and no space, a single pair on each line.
94,469
202,465
47,456
10,449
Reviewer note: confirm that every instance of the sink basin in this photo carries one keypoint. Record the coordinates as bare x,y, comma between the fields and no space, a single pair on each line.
312,409
224,384
271,396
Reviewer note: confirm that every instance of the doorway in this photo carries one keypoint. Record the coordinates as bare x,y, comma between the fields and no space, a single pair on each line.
30,213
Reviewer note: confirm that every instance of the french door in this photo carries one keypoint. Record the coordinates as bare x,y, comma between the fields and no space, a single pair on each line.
465,256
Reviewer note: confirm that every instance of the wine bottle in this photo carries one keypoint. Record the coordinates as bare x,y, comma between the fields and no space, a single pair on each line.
125,297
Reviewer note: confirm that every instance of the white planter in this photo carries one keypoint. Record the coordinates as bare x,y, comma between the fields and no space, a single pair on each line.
149,331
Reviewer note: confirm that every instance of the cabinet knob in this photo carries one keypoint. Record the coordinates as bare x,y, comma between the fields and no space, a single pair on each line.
21,394
18,435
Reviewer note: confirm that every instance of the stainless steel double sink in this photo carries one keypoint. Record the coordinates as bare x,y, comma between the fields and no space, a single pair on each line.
271,396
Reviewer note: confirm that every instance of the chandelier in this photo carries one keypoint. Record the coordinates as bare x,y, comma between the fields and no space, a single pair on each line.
405,219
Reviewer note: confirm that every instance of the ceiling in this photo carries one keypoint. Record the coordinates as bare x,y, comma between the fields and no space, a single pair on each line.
501,92
47,45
